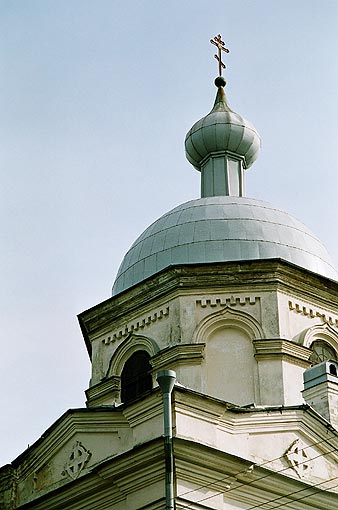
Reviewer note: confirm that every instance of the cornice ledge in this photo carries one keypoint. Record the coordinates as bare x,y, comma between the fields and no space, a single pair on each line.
148,474
284,349
189,402
107,388
187,354
104,420
269,272
126,464
252,477
144,410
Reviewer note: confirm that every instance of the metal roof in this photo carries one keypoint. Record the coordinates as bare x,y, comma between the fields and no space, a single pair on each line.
222,130
222,229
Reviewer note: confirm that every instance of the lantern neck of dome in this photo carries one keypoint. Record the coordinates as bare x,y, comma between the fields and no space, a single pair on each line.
222,174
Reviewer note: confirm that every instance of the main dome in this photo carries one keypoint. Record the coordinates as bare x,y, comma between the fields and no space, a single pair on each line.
222,226
222,229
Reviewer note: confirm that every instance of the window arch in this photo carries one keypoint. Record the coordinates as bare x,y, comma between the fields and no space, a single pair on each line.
133,343
322,351
322,340
136,378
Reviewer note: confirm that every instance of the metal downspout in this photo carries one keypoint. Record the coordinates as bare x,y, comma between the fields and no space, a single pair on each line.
166,380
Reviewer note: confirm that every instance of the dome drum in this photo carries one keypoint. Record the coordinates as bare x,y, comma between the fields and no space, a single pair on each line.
222,174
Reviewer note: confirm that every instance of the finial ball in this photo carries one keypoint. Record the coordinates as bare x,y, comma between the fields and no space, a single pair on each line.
220,81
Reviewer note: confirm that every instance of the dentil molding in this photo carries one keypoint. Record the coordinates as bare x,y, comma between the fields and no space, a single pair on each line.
312,313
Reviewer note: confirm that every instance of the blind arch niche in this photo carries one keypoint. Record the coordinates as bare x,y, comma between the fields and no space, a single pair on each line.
231,371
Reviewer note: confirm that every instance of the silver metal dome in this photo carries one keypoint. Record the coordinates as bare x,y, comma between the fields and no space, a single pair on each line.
222,229
222,130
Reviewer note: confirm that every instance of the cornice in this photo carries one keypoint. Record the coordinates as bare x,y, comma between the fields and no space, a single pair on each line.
97,420
253,419
238,479
187,354
109,482
144,409
282,349
324,389
136,325
98,394
271,274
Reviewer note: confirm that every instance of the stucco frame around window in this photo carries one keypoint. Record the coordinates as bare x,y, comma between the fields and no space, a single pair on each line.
324,332
130,345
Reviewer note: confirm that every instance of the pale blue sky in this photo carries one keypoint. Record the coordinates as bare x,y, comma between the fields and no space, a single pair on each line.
96,99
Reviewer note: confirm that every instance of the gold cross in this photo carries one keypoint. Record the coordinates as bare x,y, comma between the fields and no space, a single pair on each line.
217,41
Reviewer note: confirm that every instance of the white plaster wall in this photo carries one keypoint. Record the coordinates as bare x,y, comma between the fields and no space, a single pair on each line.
302,315
190,376
262,438
293,383
230,366
269,321
270,382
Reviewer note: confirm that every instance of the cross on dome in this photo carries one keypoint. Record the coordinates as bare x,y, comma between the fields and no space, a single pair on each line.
217,41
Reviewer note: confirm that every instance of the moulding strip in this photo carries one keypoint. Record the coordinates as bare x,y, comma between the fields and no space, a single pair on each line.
137,325
312,313
227,301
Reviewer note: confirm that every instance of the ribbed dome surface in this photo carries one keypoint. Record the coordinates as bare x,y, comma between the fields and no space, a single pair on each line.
222,229
222,130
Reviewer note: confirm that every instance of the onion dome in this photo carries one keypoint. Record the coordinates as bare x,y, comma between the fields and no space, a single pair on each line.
222,229
222,130
220,146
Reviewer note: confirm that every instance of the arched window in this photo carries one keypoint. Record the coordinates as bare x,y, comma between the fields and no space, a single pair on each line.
322,351
136,377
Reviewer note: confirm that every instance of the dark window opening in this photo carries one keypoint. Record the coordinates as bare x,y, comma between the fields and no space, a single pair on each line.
136,377
333,370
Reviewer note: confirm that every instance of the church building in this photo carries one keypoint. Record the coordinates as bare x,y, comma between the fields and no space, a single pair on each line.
214,380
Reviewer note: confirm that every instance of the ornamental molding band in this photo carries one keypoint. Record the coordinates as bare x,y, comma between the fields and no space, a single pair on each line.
188,354
297,457
228,317
107,388
277,347
227,301
77,460
136,325
310,312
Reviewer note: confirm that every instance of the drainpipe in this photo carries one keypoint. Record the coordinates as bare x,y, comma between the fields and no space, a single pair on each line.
166,380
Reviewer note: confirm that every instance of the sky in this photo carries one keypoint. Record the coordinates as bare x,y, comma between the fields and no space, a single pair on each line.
95,100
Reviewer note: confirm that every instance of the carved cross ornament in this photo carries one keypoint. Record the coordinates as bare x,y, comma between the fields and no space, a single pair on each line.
77,460
297,457
217,41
